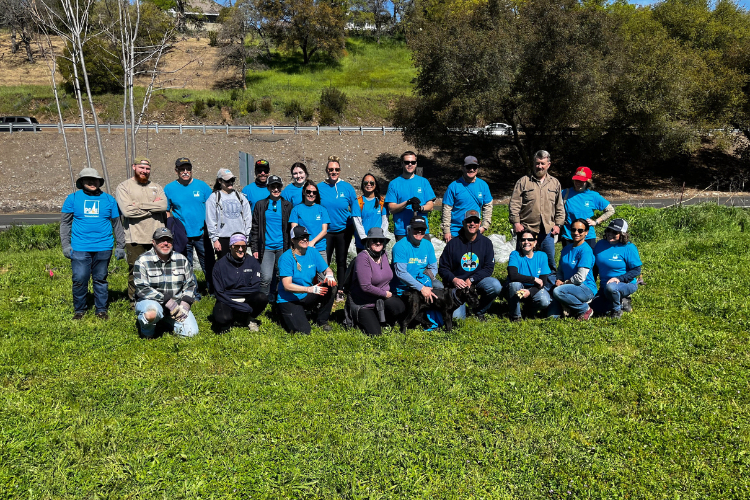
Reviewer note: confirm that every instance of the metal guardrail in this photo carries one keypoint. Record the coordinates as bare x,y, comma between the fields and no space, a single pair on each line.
203,128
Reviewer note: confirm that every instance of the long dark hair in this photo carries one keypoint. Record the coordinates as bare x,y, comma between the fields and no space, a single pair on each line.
310,182
533,235
377,186
300,165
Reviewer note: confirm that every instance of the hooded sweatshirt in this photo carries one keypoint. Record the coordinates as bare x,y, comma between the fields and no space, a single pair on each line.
467,259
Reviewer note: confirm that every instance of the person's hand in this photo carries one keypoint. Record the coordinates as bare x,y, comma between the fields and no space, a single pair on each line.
171,306
539,282
612,280
447,237
426,292
559,283
556,230
482,230
317,290
468,282
255,254
591,222
518,228
388,295
459,283
330,280
217,246
68,252
119,253
415,203
523,293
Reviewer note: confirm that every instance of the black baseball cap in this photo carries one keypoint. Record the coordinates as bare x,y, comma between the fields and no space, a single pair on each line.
181,162
418,222
298,232
274,179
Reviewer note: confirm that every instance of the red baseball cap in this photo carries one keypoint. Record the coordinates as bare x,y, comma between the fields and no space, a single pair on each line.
582,174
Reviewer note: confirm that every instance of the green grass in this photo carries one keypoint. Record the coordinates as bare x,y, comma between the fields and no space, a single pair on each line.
653,406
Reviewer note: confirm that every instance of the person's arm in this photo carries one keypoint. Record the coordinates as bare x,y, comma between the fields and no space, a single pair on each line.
630,275
395,208
129,207
220,287
359,227
289,286
427,207
119,233
384,222
515,276
66,228
486,217
609,211
363,269
446,221
254,231
402,273
514,208
580,276
320,235
559,209
248,215
432,267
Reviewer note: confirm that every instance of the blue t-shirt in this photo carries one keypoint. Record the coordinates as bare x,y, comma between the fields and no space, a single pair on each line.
581,206
372,216
535,266
400,190
92,221
310,263
615,260
311,218
341,201
255,193
463,196
292,194
416,259
274,236
572,258
188,204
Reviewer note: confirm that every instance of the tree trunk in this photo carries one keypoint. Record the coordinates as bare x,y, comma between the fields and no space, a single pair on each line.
27,42
13,42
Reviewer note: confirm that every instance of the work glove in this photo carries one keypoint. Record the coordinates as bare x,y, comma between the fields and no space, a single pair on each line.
183,311
119,253
172,306
68,252
415,204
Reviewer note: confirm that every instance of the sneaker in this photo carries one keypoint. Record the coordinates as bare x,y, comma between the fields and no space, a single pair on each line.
102,315
340,297
586,316
515,319
78,315
627,305
253,325
481,317
617,314
325,327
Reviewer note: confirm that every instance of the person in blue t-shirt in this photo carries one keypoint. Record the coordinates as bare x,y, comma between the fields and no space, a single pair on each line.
575,286
409,195
619,267
293,192
340,199
467,193
313,216
186,199
89,216
258,190
307,285
528,274
580,203
269,236
372,210
415,263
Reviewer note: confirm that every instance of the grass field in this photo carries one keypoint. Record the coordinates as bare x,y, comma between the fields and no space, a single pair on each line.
652,406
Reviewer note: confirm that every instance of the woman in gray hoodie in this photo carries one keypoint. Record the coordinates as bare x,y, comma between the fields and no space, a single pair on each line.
227,212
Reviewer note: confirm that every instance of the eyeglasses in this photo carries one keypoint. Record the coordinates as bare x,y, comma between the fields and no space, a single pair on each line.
419,230
472,221
578,230
528,239
240,248
409,162
308,192
369,183
334,170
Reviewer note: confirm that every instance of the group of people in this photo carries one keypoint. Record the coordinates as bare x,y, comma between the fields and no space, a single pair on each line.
273,244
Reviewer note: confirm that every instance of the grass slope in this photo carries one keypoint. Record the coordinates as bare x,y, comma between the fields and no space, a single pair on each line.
652,406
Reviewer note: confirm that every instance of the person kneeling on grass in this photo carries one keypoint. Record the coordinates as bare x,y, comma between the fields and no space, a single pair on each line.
575,286
528,273
164,280
298,268
237,281
619,267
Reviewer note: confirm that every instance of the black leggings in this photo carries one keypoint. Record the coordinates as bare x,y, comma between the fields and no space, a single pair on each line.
293,313
225,315
367,319
339,241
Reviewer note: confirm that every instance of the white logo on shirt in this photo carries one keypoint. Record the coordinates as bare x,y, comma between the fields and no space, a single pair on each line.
587,204
91,208
317,217
419,190
342,195
196,194
479,195
615,257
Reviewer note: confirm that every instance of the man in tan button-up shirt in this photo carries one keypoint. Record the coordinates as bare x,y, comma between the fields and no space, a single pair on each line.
143,206
537,205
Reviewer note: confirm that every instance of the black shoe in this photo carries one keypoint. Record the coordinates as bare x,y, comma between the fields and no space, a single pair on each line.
617,314
515,319
627,305
102,315
481,317
78,315
325,327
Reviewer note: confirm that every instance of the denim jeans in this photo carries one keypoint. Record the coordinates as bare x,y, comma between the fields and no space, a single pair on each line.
574,297
541,299
489,288
188,328
92,265
197,244
268,269
613,293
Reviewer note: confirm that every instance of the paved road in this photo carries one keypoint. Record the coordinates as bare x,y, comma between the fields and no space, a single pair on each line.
7,220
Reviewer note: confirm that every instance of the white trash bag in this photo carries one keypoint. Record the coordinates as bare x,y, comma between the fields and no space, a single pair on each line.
501,247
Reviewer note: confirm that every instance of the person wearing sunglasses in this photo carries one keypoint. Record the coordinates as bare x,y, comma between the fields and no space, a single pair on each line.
467,193
619,267
258,190
469,259
269,237
227,212
371,302
580,203
237,282
409,195
528,277
372,211
575,286
293,191
187,198
340,199
313,216
299,292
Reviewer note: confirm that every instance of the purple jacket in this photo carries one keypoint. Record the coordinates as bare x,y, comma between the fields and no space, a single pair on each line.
371,280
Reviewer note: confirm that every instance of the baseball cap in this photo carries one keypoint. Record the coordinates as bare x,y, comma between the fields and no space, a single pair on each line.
418,222
262,164
162,232
471,214
582,174
142,160
274,179
181,162
619,225
225,174
298,232
470,160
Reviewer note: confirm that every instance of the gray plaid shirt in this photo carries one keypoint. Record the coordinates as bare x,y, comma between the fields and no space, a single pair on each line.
160,281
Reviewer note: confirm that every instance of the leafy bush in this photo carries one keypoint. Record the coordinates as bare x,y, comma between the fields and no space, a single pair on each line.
103,66
236,93
210,102
24,238
213,38
199,107
307,114
327,116
266,105
333,99
251,106
293,109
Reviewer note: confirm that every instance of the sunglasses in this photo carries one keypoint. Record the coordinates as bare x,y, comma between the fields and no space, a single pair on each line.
274,187
184,169
471,168
528,239
308,192
240,248
410,162
419,230
303,238
578,230
472,221
262,170
334,170
230,181
376,242
369,183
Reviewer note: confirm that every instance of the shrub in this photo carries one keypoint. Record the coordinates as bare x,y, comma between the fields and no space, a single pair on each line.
210,102
251,106
334,99
266,105
213,38
23,238
199,107
293,109
307,114
327,116
102,65
236,93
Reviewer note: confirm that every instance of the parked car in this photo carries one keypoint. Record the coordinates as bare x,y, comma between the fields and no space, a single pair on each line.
19,123
497,129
